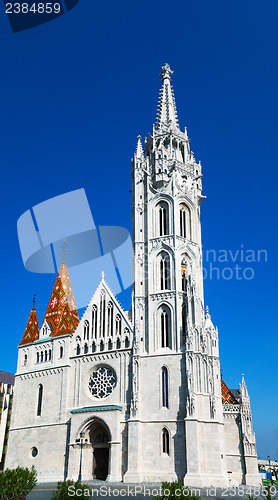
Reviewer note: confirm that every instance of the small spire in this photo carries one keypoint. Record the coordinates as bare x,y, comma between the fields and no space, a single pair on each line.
102,275
207,310
139,149
221,372
61,313
64,249
31,332
34,301
243,387
167,111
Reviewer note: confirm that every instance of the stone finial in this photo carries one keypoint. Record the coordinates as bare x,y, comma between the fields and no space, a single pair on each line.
166,72
139,149
102,275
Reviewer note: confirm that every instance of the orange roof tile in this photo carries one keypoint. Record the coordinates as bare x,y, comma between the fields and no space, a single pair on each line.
227,396
61,313
32,330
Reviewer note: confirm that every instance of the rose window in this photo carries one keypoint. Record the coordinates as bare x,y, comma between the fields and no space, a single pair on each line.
102,382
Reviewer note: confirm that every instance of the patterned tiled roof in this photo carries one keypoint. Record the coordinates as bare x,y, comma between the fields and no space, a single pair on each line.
31,332
61,313
227,396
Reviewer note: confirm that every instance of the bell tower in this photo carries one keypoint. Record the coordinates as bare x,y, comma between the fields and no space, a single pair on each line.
176,416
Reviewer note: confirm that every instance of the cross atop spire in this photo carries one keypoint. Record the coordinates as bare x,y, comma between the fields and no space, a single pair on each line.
64,249
167,111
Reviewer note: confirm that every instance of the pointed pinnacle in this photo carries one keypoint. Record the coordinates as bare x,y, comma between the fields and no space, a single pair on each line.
139,149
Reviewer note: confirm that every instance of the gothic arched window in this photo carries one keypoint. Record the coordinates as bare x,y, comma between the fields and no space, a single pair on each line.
45,356
193,311
39,407
184,320
38,357
78,348
165,441
49,355
164,271
41,356
164,316
184,275
25,359
164,381
86,349
163,219
118,325
185,223
102,314
110,319
86,329
61,351
94,321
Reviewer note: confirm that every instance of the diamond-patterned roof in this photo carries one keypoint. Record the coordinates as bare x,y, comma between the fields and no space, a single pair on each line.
227,396
32,330
61,313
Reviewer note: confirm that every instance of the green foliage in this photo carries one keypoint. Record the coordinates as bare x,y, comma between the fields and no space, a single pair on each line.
269,492
62,492
176,491
17,483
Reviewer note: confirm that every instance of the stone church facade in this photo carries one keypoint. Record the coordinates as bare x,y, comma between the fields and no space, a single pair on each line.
137,395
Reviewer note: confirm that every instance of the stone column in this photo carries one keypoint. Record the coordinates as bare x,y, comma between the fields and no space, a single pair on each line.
134,471
73,465
114,469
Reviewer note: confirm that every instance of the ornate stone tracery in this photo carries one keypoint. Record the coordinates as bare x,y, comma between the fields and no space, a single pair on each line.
102,382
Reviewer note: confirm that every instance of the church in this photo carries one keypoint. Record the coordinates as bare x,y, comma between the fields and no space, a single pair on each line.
137,396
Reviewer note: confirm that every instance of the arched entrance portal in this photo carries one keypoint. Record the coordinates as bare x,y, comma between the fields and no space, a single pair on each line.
99,439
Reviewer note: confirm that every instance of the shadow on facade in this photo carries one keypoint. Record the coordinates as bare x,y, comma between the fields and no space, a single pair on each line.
179,437
67,450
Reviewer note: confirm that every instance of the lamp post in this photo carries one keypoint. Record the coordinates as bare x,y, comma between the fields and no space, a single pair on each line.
82,434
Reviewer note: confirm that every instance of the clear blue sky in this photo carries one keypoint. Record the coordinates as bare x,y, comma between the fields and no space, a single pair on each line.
77,91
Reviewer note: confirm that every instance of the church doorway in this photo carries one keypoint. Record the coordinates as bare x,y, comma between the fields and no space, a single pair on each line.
100,445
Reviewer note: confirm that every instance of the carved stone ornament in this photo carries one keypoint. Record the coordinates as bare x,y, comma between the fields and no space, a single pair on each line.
212,407
190,405
140,208
139,303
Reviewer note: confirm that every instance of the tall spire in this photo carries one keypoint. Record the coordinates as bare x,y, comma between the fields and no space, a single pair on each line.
61,314
167,111
32,331
243,388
